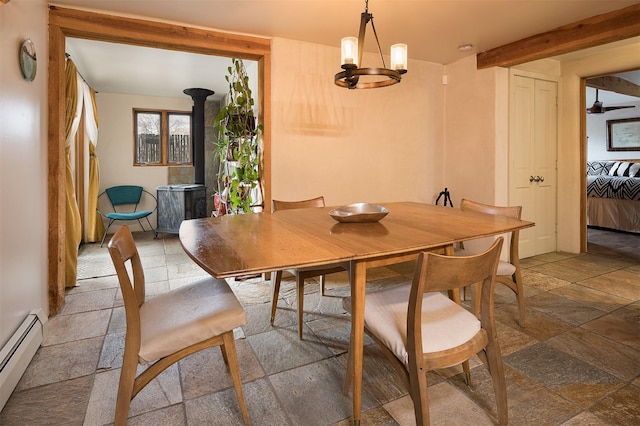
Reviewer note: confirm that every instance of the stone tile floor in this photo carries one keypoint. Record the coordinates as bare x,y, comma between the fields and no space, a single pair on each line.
577,360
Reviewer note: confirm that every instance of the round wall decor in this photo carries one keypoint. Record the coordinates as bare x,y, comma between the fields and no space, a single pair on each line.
27,58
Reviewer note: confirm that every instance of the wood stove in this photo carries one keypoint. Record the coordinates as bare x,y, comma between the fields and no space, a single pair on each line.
180,202
188,201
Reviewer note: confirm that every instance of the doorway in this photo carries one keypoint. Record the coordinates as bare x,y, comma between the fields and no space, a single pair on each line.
606,97
132,78
81,24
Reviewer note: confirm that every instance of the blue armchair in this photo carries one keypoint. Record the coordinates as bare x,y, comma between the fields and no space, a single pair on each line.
126,198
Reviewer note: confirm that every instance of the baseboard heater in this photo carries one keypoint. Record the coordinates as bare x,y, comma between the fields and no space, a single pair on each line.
18,352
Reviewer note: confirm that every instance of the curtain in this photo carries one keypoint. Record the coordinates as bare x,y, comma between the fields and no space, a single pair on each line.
73,230
95,227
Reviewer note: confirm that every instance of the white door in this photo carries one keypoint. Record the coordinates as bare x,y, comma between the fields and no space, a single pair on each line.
532,160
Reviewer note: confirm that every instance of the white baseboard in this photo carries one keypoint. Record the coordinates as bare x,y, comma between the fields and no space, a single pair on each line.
18,352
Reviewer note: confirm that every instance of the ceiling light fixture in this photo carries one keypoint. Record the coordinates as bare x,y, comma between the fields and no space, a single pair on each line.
351,59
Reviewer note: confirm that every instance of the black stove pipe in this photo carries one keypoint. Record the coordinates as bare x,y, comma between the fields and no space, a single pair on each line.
197,131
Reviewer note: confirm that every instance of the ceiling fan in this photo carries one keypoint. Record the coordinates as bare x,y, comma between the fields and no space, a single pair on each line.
597,107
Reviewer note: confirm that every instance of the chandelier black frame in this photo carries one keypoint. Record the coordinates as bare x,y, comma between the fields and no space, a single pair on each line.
350,77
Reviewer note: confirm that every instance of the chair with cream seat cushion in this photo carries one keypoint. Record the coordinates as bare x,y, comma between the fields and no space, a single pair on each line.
420,329
509,272
301,274
168,327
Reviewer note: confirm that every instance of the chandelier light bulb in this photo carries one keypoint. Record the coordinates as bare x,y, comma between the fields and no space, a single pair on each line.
399,57
349,51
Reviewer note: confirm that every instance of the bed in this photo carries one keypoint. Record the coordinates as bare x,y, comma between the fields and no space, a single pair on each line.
613,194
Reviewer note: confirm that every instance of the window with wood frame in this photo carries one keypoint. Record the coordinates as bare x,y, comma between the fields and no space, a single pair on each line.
161,138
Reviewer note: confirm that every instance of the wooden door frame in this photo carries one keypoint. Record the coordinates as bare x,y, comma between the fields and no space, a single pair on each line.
64,23
583,167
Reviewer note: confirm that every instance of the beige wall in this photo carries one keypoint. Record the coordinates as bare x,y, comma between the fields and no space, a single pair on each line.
23,167
476,136
353,145
610,60
472,135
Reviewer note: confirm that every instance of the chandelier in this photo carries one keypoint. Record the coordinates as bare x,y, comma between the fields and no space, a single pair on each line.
351,59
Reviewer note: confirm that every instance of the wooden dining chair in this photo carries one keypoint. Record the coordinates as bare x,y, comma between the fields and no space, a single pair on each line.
301,274
172,325
509,272
420,329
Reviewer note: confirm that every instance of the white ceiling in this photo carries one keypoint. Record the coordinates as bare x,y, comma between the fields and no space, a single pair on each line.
433,29
122,68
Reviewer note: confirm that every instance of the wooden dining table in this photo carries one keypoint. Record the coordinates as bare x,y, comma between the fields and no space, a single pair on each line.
237,245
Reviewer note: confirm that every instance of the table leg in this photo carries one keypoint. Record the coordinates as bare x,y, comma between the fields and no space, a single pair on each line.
358,290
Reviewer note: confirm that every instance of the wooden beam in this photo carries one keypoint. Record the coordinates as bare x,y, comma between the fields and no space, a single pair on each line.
597,30
119,29
56,170
614,84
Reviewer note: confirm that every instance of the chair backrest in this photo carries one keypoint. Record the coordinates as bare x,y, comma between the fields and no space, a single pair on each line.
435,273
122,249
288,205
509,211
124,194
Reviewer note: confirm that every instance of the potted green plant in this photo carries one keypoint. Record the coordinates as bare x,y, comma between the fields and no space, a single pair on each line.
237,145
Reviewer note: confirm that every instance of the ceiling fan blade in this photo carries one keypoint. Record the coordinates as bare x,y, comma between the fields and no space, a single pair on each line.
611,108
597,107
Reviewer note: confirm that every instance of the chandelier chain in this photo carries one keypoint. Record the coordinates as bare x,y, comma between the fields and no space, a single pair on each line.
373,27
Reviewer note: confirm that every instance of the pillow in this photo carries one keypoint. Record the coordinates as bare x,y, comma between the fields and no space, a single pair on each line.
614,168
623,169
607,167
596,168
